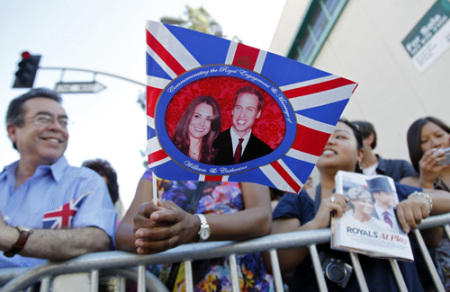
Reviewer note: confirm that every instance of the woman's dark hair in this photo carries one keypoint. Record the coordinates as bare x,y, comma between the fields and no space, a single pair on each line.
181,135
358,137
104,168
413,138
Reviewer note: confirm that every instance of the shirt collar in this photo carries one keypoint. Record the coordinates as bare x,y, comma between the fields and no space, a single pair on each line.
381,165
57,168
235,139
8,170
234,135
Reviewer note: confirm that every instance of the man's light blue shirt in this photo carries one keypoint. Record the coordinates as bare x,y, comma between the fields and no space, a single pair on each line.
50,187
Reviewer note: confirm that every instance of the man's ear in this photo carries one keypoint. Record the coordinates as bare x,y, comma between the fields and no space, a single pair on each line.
360,155
12,132
369,140
258,115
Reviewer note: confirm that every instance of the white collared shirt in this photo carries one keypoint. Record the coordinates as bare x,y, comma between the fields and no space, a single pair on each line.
395,226
371,170
235,140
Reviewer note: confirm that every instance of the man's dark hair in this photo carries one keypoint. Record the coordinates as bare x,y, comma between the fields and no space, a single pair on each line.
15,114
104,168
366,129
251,90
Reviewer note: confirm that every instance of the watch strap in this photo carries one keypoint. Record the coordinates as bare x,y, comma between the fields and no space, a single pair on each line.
204,226
20,243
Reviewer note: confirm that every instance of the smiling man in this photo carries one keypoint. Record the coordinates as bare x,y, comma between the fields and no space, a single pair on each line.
237,144
49,210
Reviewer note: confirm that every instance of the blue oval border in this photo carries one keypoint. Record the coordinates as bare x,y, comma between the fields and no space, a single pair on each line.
213,71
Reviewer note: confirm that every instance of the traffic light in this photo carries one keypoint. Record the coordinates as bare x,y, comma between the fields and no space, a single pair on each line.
28,67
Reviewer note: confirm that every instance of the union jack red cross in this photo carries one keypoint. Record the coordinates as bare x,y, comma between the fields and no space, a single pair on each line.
61,217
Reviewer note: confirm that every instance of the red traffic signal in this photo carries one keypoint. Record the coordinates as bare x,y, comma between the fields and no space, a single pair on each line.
28,67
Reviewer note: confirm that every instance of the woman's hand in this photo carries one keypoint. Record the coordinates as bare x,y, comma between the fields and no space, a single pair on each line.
337,204
159,228
411,211
429,168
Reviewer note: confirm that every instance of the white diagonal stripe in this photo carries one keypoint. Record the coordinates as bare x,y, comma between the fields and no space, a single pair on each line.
161,63
314,124
322,98
302,156
153,145
172,45
231,52
260,61
150,122
157,82
159,162
275,178
309,82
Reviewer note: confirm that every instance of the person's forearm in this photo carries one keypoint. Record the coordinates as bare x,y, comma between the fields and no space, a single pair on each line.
125,238
64,244
289,259
245,224
441,201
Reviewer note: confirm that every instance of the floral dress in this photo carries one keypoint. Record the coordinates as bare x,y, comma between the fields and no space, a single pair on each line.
212,274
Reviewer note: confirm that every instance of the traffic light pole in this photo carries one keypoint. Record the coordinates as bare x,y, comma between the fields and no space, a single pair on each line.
96,72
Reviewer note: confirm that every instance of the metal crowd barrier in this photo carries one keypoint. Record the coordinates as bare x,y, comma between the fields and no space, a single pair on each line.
120,263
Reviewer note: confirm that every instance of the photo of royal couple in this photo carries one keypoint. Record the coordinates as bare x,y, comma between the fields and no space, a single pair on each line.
199,135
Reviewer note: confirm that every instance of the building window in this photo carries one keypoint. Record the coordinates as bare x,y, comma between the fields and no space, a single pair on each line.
315,28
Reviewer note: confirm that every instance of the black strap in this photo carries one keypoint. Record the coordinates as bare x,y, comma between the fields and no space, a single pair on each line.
317,199
192,208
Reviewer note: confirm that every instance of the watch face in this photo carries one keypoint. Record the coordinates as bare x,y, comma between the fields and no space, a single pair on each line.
204,233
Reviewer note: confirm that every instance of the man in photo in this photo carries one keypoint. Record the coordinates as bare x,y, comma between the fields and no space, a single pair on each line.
385,201
237,144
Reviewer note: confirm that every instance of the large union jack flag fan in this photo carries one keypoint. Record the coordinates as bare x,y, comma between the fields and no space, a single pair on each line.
301,105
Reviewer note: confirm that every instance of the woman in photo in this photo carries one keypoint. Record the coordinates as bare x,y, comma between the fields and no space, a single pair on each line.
427,137
197,129
361,203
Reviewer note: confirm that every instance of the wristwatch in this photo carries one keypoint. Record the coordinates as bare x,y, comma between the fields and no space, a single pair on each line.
20,243
204,231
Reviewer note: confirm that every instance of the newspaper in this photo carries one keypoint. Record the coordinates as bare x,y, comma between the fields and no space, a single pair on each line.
369,225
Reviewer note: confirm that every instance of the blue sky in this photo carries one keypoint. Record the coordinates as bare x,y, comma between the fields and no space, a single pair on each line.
106,36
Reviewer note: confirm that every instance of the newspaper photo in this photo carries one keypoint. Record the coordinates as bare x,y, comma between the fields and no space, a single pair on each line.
369,225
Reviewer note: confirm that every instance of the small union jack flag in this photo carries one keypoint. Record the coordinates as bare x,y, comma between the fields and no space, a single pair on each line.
301,105
61,217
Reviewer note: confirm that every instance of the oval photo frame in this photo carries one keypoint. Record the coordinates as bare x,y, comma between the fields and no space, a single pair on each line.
276,125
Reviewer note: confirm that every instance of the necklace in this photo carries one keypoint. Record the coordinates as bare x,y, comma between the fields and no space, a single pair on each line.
442,184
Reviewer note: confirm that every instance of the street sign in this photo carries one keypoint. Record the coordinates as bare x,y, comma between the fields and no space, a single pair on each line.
78,87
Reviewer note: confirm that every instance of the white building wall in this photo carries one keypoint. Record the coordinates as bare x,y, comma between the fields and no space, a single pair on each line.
365,46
